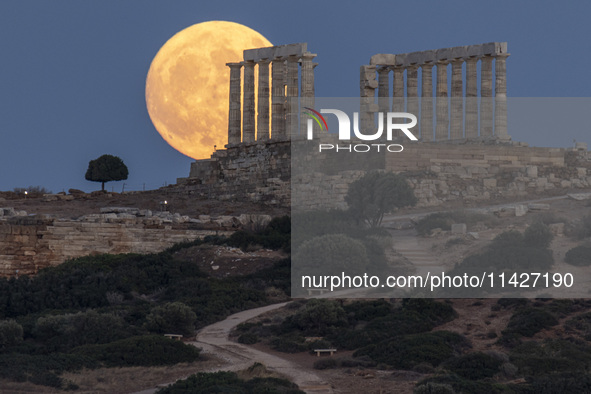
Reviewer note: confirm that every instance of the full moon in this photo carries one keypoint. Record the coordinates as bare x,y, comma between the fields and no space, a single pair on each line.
187,85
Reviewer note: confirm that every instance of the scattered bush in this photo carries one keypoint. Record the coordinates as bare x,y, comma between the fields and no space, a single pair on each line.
377,193
326,363
579,256
317,317
580,229
289,344
331,253
248,339
64,332
32,191
407,351
537,235
11,333
229,382
474,366
147,350
172,318
551,356
529,321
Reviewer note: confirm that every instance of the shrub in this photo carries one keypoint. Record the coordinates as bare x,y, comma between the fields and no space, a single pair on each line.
147,350
377,193
551,356
63,332
474,366
331,253
229,382
32,191
580,229
529,321
579,256
326,363
317,317
248,339
11,333
537,235
172,318
407,351
289,344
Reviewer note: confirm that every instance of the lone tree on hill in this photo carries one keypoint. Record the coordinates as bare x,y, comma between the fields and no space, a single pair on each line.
105,169
377,193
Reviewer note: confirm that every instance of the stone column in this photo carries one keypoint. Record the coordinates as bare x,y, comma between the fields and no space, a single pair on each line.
471,98
398,94
248,108
384,89
412,90
486,101
441,127
501,97
291,105
367,106
307,91
234,115
278,99
263,101
427,102
457,100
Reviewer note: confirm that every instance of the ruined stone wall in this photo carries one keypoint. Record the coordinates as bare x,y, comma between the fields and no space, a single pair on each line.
28,244
258,172
471,172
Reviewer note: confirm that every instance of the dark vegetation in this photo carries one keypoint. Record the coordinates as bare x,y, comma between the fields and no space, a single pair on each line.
548,365
230,382
377,193
512,253
380,332
106,168
111,310
579,255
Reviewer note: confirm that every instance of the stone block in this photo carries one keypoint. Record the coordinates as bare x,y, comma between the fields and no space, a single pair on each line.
489,183
521,210
532,171
383,59
458,228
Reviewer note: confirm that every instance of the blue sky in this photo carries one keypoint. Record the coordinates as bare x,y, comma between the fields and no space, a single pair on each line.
72,73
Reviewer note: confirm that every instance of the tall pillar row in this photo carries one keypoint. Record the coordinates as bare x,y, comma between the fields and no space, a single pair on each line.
459,113
275,115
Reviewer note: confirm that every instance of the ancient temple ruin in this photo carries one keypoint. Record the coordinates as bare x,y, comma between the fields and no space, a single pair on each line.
285,62
447,114
464,151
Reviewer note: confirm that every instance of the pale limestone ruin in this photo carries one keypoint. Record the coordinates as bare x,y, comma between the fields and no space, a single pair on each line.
466,156
453,129
285,62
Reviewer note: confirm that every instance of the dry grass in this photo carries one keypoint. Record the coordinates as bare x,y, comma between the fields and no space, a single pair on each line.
115,380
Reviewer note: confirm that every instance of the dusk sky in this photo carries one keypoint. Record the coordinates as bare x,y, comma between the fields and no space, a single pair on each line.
72,73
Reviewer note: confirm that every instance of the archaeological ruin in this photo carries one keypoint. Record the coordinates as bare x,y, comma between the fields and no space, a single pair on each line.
464,152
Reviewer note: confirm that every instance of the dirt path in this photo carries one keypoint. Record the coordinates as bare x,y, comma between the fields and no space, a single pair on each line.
214,340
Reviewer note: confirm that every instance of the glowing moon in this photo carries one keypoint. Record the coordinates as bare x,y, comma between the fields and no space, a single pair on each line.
188,83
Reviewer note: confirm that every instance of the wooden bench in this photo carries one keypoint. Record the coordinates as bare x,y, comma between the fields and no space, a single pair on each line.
331,351
174,336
